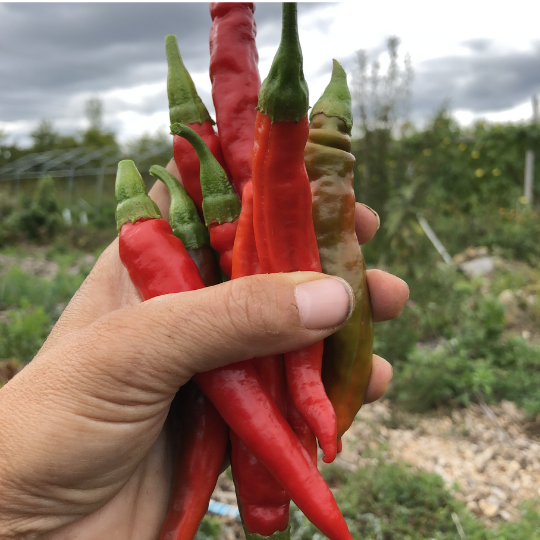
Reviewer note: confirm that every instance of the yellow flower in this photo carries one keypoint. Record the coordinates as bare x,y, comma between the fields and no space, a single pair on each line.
447,140
496,172
475,154
523,200
502,211
462,146
479,173
427,152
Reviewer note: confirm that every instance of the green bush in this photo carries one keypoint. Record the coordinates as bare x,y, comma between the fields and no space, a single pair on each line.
396,502
23,332
37,219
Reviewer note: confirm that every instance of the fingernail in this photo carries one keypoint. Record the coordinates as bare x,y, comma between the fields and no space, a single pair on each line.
324,302
374,213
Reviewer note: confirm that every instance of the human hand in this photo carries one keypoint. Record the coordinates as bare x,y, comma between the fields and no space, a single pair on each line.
83,452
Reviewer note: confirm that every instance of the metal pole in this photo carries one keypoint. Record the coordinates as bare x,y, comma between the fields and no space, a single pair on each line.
529,158
430,233
529,175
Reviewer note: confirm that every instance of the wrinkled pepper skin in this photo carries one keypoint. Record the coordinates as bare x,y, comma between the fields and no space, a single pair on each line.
202,443
235,83
348,352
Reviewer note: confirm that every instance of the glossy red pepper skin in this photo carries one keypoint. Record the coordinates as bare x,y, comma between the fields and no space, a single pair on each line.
245,257
203,439
235,83
263,503
157,261
286,242
222,240
234,390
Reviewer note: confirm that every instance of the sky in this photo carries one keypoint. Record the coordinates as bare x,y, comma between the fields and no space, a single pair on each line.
480,58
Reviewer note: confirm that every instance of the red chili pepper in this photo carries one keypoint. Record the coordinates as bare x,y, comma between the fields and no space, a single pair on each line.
243,402
186,107
235,83
220,206
157,261
263,503
203,439
284,229
236,391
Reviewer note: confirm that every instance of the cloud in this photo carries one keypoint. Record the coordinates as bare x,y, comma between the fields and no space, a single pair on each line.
485,80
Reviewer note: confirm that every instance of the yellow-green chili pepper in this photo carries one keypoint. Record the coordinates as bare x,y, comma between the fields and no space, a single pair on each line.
329,163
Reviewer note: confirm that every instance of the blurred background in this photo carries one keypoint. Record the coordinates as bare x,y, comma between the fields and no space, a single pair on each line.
447,143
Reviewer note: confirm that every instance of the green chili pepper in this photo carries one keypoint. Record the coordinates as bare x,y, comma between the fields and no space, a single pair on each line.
187,225
329,163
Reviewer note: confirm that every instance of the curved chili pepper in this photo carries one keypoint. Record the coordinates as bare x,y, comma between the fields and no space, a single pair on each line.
263,503
220,206
203,439
186,107
187,225
235,83
234,390
348,352
160,265
284,231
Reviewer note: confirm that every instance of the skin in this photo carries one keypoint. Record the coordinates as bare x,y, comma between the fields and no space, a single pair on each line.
84,446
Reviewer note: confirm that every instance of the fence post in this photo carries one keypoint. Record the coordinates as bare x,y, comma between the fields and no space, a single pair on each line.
529,158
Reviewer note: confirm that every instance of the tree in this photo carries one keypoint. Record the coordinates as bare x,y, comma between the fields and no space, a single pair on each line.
381,106
44,136
94,112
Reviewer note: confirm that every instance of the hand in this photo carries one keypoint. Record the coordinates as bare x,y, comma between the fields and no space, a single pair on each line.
83,449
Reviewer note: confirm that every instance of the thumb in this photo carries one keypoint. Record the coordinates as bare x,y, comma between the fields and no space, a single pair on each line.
162,342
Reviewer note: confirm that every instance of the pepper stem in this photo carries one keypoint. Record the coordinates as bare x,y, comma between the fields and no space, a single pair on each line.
284,95
284,535
185,105
336,98
183,217
131,196
220,202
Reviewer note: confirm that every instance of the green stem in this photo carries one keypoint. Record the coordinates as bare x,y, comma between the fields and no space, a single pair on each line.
183,217
284,95
185,105
220,202
131,196
336,98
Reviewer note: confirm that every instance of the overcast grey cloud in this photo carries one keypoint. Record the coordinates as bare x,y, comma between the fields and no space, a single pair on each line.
486,80
53,56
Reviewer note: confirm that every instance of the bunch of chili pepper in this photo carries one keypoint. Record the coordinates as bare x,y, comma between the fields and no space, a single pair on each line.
294,180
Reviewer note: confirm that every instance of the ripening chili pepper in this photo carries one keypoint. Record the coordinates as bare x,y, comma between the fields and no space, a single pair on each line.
158,264
235,83
220,206
263,503
187,225
157,261
186,107
348,352
284,231
202,442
